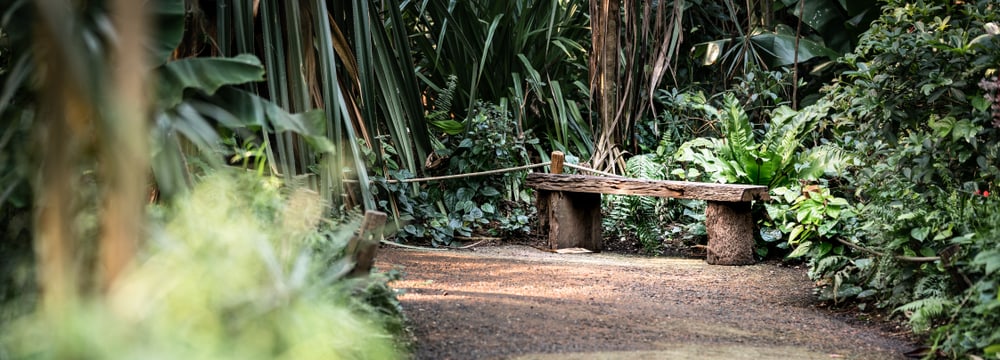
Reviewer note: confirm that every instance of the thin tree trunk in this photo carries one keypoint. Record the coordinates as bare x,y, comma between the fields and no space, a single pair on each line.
123,151
604,76
64,114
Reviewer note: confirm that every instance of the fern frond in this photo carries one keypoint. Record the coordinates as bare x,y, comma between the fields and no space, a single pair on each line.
649,234
931,286
827,265
924,311
447,95
443,102
740,145
929,306
643,167
736,124
791,134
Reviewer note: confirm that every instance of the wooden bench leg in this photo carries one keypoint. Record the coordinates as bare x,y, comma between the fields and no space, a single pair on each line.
730,233
570,219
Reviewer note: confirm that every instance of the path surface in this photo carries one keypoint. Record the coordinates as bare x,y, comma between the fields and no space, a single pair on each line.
517,302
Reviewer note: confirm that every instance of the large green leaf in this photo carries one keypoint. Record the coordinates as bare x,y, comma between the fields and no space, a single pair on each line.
254,111
169,18
339,124
192,119
779,46
206,75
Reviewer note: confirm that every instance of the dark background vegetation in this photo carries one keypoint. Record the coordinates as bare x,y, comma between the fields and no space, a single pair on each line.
875,124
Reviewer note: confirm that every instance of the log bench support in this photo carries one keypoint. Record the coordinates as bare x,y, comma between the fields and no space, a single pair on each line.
570,219
569,210
730,233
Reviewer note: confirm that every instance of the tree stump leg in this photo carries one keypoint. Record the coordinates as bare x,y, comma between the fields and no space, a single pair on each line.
730,233
571,219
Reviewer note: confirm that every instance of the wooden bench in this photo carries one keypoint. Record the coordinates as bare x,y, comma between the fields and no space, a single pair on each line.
569,209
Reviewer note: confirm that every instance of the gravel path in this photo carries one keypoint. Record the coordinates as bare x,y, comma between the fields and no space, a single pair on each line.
517,302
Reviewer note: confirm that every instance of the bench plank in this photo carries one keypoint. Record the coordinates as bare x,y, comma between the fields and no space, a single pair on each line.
661,188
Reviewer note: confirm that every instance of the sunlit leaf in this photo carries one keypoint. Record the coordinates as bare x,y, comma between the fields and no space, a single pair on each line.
801,250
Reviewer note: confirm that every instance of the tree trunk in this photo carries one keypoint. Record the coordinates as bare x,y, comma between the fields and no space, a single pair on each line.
604,67
123,152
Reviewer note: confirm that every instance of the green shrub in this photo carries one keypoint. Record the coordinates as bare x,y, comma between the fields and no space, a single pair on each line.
229,273
916,107
494,204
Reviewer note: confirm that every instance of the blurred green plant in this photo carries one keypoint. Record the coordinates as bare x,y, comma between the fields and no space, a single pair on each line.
198,101
226,275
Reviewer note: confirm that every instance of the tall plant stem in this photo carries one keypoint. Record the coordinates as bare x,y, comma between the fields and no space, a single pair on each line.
64,107
604,76
795,62
123,153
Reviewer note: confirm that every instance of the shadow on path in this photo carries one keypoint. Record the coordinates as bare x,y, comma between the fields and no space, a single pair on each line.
519,302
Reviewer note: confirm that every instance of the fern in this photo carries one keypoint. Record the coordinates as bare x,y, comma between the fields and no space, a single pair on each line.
441,117
649,234
774,161
923,312
444,100
825,265
643,167
931,286
637,214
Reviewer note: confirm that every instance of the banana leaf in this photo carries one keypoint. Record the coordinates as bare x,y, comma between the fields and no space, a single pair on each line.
206,75
169,19
254,111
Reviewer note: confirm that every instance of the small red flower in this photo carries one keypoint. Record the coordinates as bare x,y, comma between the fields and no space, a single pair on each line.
986,193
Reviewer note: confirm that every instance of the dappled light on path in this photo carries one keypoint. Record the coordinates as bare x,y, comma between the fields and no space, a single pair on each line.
519,302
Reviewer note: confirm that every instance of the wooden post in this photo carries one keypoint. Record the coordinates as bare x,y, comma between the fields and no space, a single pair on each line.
558,158
730,233
363,245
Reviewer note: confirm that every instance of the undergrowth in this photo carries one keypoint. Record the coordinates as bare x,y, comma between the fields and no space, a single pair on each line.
225,275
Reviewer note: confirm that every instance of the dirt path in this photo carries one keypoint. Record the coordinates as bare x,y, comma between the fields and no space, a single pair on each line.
522,303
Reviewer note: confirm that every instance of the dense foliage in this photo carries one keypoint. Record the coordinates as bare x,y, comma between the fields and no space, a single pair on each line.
875,125
464,206
885,184
916,107
119,216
